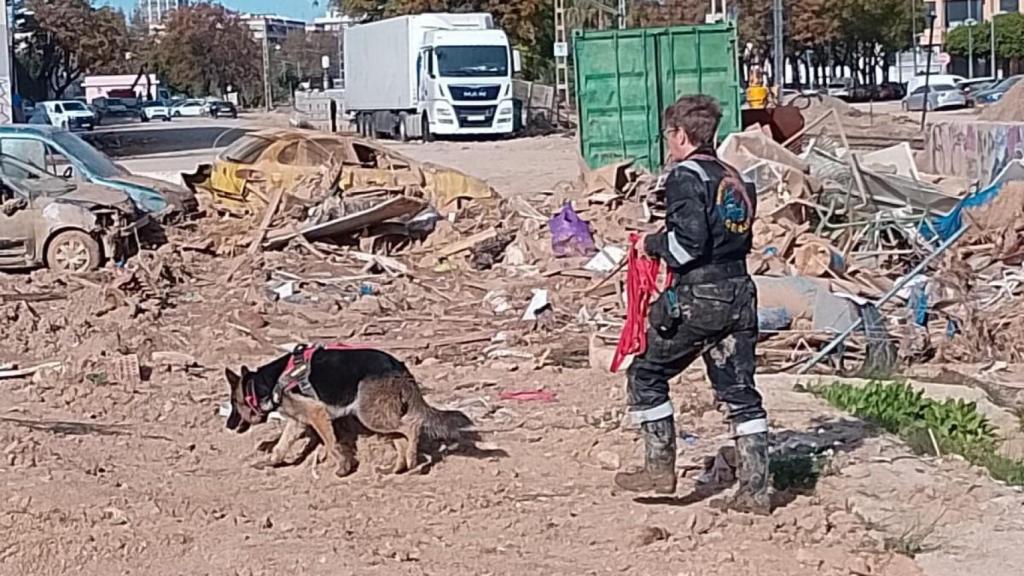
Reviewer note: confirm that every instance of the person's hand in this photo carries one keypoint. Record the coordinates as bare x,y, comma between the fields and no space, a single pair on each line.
643,245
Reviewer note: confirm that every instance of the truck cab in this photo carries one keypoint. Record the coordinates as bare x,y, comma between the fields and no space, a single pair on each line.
430,74
465,82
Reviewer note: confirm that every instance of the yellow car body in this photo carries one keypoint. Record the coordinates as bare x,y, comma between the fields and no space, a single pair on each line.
242,176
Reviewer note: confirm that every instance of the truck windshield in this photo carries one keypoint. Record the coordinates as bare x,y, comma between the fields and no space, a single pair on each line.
472,60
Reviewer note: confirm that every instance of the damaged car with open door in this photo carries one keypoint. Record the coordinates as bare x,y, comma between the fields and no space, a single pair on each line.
65,226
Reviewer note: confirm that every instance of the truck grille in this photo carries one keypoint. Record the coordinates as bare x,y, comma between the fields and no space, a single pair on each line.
474,92
475,116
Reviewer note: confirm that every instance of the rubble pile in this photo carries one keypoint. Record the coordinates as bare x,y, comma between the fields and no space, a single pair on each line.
838,236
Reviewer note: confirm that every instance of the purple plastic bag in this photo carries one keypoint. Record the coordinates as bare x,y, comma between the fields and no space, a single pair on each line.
570,234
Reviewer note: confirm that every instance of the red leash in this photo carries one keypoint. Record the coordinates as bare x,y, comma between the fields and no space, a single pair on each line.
641,286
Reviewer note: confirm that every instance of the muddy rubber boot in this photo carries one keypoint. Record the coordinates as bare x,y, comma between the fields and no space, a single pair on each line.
751,495
659,472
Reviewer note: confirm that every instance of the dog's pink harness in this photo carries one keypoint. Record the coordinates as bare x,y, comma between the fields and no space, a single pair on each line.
295,375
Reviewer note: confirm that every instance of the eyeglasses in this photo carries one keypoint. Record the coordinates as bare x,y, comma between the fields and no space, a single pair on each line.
666,133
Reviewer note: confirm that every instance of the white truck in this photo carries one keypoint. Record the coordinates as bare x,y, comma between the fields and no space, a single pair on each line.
430,74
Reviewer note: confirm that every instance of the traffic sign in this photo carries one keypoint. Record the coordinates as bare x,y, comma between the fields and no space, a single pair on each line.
944,58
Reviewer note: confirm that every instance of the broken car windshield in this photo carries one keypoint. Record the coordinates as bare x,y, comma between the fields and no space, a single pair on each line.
95,162
472,60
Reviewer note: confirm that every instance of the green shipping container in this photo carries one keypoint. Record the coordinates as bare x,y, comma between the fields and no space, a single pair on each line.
626,78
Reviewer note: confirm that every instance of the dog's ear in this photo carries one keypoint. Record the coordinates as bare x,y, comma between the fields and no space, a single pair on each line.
245,372
233,379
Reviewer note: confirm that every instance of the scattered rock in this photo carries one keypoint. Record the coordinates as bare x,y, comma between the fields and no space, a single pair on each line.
651,534
609,460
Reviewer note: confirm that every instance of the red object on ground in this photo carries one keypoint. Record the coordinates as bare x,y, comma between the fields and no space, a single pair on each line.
641,286
527,395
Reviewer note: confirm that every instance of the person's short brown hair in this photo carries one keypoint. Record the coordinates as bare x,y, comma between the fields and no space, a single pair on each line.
698,116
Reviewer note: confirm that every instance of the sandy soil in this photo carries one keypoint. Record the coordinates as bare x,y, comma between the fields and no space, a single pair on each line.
100,475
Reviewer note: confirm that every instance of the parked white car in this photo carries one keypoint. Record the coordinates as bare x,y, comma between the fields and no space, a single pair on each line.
936,80
66,114
154,111
189,108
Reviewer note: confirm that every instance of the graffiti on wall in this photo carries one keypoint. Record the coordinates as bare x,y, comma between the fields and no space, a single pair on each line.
973,150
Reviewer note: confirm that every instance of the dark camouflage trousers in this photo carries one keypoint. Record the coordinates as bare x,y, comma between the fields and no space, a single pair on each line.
716,320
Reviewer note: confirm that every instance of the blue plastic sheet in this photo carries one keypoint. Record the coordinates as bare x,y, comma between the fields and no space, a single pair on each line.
946,226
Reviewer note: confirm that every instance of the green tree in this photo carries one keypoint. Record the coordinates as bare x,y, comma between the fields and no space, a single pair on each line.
67,39
1009,38
204,49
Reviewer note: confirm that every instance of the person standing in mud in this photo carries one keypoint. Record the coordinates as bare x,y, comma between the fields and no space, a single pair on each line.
710,310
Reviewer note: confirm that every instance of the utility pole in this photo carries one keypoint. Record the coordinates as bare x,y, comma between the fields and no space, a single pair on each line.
992,37
779,62
913,34
561,50
621,13
6,66
970,23
928,66
268,94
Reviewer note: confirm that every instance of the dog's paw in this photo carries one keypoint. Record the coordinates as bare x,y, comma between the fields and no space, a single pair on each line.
345,468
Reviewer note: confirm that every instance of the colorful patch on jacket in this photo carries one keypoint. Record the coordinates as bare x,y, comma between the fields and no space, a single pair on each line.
733,204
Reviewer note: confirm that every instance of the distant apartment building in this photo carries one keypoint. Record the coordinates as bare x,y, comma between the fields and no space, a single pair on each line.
274,28
333,21
950,14
152,12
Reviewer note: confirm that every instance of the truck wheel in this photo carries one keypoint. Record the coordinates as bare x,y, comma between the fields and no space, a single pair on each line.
364,125
73,251
403,130
427,136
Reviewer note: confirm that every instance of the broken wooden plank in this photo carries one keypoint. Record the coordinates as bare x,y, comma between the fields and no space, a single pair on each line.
30,296
350,223
268,217
466,243
22,372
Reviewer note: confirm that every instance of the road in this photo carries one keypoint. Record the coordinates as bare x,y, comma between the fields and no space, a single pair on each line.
164,150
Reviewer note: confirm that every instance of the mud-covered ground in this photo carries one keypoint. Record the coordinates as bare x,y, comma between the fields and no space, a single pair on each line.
100,475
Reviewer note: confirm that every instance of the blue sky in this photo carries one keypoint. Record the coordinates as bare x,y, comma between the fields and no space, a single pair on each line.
303,9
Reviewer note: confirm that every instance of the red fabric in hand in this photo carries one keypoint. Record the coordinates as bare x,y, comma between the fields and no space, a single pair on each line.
641,286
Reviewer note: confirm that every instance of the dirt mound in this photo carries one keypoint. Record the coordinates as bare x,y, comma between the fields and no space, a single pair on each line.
818,104
1009,109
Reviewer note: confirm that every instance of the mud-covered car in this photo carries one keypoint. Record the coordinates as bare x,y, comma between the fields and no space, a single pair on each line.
67,156
69,227
241,177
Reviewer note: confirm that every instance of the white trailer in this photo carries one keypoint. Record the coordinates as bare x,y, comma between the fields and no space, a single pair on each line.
430,74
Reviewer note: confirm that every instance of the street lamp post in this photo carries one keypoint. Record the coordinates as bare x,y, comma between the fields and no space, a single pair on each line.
970,23
992,39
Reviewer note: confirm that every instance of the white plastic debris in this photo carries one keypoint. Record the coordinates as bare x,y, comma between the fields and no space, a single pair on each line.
537,303
606,260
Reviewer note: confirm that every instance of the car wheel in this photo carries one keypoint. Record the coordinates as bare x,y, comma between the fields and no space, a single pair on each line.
73,251
167,118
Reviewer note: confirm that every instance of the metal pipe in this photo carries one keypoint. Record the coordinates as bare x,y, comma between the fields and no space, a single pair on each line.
885,298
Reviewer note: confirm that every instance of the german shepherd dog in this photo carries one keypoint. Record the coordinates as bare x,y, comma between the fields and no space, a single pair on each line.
369,384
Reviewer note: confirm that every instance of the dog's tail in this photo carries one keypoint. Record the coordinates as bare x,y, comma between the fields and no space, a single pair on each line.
443,424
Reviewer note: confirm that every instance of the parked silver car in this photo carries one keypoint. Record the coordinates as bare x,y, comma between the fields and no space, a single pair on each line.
938,97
